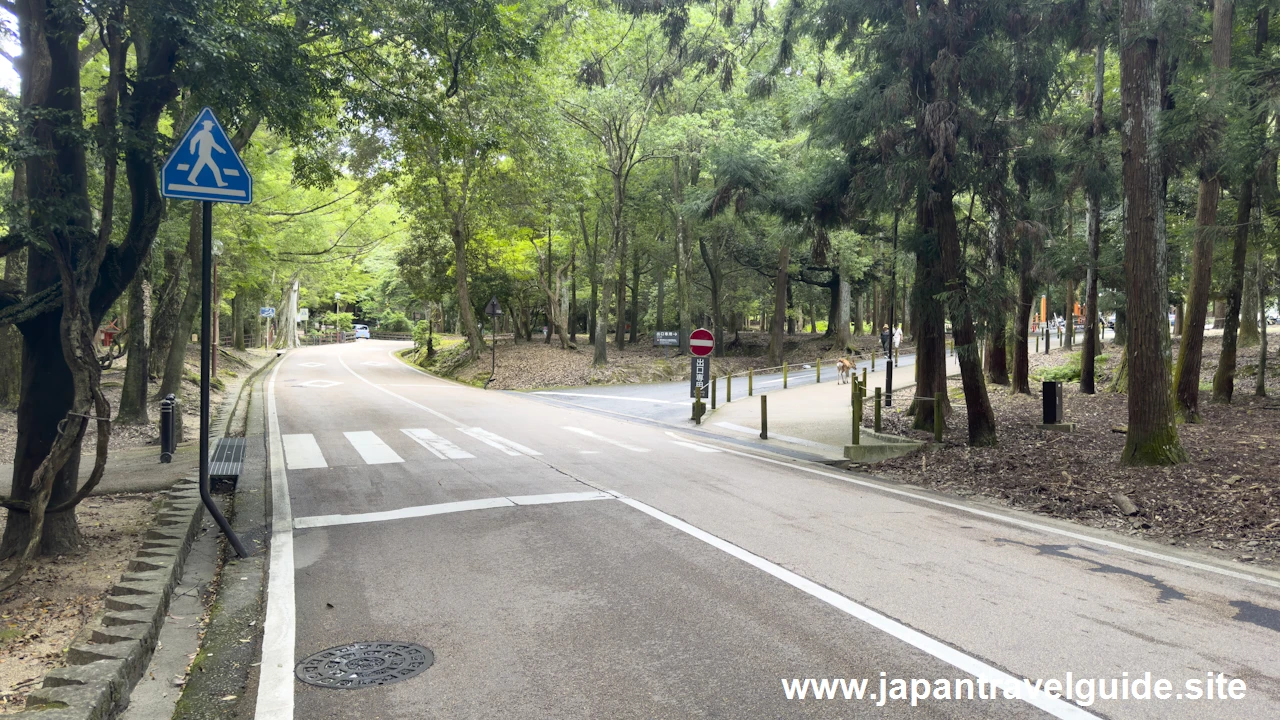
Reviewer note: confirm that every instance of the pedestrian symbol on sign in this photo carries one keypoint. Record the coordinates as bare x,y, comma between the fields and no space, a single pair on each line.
205,166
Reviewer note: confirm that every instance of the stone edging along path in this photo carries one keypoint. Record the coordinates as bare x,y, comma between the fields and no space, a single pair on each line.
102,670
113,652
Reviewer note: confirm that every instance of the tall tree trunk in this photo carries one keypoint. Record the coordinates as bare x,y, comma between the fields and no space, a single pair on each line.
166,304
1022,320
996,361
842,316
466,312
10,339
1190,350
661,272
133,395
175,362
237,321
1260,387
635,295
931,337
620,337
982,419
1224,379
717,277
1093,213
778,325
1249,307
1152,437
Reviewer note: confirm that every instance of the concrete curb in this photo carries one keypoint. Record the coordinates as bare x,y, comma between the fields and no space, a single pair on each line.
115,650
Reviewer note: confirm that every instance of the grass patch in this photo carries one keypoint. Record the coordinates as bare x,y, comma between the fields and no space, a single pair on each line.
1070,370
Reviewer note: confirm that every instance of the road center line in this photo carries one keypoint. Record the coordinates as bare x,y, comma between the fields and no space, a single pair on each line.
965,663
393,394
316,521
275,680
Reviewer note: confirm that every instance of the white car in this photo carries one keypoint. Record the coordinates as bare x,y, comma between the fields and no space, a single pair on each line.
362,331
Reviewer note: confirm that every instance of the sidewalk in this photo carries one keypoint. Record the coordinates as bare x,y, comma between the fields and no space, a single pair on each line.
815,419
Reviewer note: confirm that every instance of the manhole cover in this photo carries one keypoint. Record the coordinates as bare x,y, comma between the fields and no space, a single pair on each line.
364,664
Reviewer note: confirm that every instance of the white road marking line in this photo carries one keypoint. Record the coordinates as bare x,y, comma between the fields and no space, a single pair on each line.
698,448
441,447
588,452
311,364
279,627
303,452
413,385
1010,520
509,447
316,521
609,397
420,406
371,448
557,498
611,441
319,384
772,436
973,666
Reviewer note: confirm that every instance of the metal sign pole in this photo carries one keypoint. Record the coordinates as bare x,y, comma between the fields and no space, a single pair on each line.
206,354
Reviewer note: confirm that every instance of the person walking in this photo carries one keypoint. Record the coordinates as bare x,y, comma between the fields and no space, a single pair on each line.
897,336
886,341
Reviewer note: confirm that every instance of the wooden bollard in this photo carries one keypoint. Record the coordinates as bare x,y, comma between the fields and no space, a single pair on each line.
878,400
784,376
750,375
817,378
713,392
697,404
864,380
857,420
764,417
728,389
873,361
937,416
897,355
1037,343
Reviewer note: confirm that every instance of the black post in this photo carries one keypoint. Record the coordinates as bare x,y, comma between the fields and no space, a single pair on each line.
493,346
206,348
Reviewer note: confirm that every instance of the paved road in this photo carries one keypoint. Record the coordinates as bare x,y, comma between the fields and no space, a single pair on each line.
565,564
670,402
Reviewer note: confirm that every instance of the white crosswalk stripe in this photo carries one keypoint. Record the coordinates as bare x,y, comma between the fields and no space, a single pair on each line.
510,447
438,446
302,452
698,448
601,438
371,448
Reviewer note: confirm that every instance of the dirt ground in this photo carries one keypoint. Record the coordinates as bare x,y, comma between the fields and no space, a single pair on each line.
230,364
528,365
58,597
1225,499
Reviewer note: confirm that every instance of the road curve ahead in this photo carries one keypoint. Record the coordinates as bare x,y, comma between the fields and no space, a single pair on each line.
565,564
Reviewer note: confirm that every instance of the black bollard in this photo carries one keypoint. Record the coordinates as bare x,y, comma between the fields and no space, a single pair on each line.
168,428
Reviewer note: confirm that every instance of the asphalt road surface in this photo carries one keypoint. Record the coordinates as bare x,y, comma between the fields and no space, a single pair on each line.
563,563
670,402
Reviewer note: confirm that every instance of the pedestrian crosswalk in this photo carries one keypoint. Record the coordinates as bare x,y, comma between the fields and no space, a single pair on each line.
304,451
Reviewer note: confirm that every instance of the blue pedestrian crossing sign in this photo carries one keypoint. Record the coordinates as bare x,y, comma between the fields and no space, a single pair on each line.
205,166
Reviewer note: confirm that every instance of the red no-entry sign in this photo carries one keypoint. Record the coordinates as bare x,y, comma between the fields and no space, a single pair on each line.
701,342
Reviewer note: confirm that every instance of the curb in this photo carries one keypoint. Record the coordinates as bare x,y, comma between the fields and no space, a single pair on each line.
102,670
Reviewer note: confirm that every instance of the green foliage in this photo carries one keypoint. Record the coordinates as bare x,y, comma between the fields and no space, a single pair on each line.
339,320
1069,371
394,322
421,334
